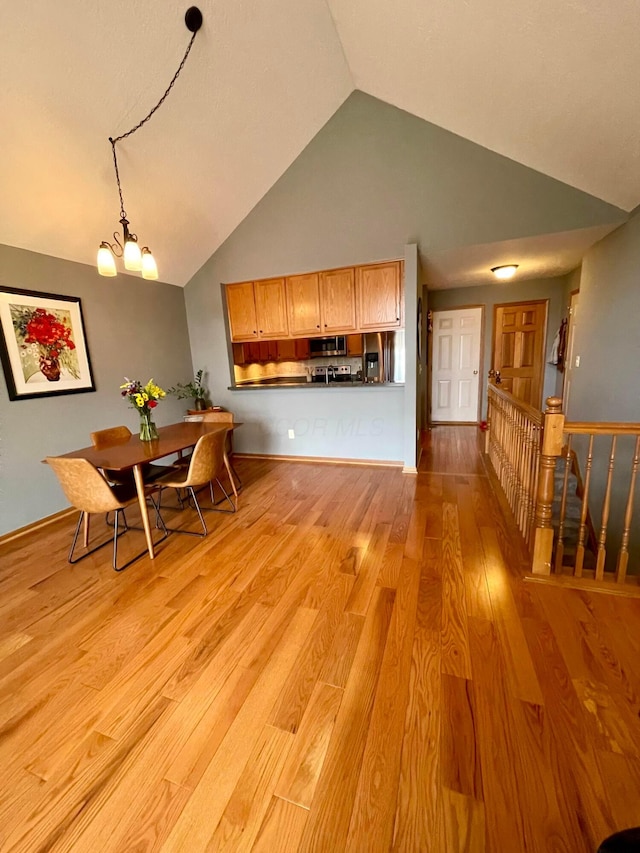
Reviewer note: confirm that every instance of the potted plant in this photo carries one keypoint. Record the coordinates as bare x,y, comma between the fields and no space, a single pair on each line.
194,390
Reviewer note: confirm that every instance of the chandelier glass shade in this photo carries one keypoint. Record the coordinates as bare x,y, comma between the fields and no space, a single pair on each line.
126,246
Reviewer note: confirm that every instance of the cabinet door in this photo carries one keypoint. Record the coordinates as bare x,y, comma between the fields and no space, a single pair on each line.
337,293
242,311
302,348
239,354
378,288
252,351
303,303
354,345
271,308
286,350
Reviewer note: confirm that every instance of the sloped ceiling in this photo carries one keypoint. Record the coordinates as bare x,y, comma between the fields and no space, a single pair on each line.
550,85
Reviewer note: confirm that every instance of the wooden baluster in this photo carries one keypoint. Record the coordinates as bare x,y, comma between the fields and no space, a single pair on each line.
623,556
583,513
530,480
563,509
606,506
520,471
551,448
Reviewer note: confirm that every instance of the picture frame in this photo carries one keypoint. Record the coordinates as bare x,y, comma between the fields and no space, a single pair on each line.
43,345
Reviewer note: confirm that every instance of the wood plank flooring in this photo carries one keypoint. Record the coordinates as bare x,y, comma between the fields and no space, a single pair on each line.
352,662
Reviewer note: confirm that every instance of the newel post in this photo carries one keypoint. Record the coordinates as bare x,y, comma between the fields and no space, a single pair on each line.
552,436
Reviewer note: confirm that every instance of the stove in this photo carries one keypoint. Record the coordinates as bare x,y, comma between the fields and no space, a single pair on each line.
329,373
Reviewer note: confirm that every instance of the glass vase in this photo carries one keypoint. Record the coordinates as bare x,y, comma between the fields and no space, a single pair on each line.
148,430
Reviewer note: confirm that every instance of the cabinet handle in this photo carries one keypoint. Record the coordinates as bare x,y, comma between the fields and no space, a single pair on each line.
318,326
260,331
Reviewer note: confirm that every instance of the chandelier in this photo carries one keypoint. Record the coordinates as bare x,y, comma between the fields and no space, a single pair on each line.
127,248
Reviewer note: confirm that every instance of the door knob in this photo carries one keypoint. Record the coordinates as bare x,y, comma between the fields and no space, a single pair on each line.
475,372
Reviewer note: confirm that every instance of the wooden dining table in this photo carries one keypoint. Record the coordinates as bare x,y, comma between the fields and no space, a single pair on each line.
132,454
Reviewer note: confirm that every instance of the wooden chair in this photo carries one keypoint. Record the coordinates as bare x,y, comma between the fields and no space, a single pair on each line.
88,490
205,464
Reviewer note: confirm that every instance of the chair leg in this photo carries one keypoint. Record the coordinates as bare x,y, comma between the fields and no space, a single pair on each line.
228,466
226,497
117,533
191,496
86,529
198,510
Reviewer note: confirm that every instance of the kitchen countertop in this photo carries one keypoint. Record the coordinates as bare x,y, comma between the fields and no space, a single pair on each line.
258,386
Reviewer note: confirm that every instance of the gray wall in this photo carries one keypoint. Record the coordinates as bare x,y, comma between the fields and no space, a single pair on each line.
411,395
606,386
373,180
553,289
133,327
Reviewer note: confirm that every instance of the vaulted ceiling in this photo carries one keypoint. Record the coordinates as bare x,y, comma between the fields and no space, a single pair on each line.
549,84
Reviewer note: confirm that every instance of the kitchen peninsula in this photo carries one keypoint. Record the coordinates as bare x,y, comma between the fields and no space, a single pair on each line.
333,328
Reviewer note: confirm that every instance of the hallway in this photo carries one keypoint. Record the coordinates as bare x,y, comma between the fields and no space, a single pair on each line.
352,662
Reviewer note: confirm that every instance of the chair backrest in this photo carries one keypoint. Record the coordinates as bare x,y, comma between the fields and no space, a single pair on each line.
84,485
207,458
218,417
107,437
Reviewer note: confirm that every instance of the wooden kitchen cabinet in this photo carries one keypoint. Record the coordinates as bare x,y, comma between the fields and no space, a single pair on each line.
331,302
303,304
338,301
302,348
354,345
271,308
239,356
257,310
268,350
379,290
241,305
287,350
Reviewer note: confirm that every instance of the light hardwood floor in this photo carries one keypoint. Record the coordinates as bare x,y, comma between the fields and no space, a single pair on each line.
352,662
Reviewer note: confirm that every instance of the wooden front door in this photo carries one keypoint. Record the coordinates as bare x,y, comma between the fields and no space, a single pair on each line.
519,330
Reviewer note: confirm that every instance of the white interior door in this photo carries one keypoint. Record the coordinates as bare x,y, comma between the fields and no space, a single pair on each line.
457,335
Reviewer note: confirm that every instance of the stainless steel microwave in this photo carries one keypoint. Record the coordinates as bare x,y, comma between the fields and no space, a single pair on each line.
336,345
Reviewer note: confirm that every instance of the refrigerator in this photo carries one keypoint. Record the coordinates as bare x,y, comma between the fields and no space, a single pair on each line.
383,357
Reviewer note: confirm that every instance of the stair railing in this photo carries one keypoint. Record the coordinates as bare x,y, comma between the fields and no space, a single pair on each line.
513,446
524,447
592,537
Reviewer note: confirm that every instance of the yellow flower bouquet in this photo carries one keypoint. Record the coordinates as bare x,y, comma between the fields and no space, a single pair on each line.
143,398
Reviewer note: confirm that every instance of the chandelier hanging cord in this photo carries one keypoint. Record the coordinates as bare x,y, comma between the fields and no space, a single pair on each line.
123,214
134,258
160,102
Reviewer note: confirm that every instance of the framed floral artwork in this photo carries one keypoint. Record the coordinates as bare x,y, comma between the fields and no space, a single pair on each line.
43,346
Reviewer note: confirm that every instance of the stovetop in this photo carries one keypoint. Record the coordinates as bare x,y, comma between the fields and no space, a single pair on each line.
329,373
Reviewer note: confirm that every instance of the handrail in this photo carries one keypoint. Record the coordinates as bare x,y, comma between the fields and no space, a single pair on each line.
601,428
530,412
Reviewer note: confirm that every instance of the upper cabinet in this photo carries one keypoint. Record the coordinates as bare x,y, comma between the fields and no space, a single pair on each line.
354,299
271,308
257,310
379,296
241,305
303,303
338,299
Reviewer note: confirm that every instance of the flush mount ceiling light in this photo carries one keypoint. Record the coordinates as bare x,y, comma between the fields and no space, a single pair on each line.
506,271
135,259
